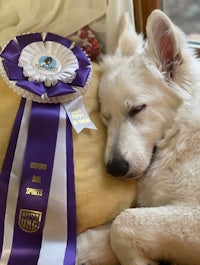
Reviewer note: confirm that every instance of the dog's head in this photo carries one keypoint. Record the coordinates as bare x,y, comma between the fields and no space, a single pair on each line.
141,88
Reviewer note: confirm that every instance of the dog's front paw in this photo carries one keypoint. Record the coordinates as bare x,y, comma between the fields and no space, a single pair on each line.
93,247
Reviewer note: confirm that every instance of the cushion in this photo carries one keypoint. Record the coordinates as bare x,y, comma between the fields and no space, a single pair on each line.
99,196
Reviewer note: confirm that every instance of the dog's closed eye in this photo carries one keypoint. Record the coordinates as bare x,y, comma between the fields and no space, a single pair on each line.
136,110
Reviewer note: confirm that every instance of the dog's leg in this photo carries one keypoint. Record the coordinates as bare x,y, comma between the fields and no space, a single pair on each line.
93,247
144,236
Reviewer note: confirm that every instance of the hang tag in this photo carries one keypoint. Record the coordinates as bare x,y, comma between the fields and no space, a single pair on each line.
78,115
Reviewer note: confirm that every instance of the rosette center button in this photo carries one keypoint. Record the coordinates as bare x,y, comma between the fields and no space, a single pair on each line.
46,64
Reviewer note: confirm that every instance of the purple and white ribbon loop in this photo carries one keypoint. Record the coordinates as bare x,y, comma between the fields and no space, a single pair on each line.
50,72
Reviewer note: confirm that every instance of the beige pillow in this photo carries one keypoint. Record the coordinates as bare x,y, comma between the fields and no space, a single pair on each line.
100,197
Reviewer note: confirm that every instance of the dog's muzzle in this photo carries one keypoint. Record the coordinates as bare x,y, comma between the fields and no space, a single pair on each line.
117,167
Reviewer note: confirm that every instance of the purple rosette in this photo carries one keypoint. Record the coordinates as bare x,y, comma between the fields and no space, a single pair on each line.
45,68
42,68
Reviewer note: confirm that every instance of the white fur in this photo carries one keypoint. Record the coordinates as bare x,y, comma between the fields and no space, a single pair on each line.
162,75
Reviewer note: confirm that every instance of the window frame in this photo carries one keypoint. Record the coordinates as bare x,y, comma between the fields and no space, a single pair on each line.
143,8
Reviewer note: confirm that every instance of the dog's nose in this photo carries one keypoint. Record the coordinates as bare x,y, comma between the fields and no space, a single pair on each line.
117,167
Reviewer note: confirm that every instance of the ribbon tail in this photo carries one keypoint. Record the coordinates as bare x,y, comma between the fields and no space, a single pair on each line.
78,115
35,184
6,169
70,254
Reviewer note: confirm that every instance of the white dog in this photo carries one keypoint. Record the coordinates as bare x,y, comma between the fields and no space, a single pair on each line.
150,103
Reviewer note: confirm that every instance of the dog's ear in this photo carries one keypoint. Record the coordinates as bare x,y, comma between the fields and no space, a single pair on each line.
165,41
129,41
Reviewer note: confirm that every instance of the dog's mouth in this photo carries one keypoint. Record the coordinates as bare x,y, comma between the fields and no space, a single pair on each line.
153,155
131,175
120,168
152,159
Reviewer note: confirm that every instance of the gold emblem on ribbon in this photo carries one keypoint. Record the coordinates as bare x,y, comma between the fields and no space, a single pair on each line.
29,220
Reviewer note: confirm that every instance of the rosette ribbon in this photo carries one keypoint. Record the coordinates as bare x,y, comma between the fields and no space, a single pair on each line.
37,187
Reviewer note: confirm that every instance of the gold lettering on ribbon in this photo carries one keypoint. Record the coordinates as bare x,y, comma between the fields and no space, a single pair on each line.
84,121
29,220
34,192
78,117
40,166
76,112
74,122
36,179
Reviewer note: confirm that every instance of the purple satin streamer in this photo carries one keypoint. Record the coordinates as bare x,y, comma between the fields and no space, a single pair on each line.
81,77
38,88
11,52
24,40
13,71
6,169
60,89
82,58
70,253
33,87
53,37
40,148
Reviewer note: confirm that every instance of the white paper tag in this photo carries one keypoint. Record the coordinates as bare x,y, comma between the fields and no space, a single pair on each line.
78,115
